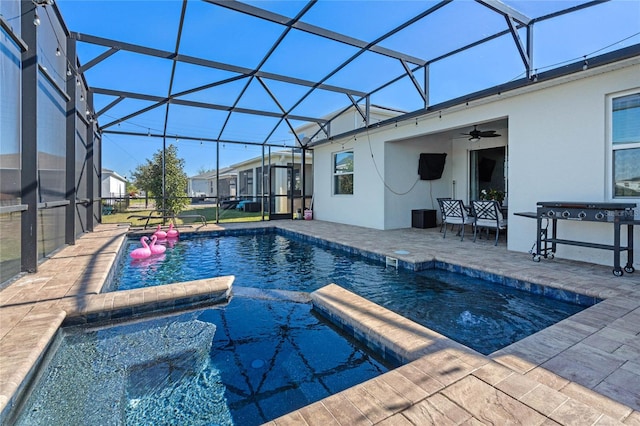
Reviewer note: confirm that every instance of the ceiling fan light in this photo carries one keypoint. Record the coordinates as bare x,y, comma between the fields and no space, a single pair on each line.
474,139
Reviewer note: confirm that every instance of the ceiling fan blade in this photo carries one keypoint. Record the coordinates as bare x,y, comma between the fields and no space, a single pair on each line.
477,134
489,134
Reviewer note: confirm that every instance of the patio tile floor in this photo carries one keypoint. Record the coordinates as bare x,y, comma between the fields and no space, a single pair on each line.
583,370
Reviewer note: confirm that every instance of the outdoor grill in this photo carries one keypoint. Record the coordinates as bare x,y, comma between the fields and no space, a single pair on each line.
618,214
592,212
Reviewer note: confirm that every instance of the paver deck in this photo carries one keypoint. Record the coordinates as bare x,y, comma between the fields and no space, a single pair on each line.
583,370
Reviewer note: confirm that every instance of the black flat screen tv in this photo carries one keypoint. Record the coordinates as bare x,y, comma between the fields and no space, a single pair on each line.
431,166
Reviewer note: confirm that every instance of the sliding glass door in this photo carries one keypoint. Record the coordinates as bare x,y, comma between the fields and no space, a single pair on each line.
488,172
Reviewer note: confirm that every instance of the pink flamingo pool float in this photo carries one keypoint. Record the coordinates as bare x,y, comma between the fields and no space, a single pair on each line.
141,252
172,233
156,249
160,233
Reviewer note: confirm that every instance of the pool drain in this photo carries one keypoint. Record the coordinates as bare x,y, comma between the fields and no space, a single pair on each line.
257,363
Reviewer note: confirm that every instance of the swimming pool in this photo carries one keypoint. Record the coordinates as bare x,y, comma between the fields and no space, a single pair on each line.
261,356
472,311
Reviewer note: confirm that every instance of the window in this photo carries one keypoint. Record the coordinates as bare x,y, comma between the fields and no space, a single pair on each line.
259,181
625,144
297,178
246,183
343,173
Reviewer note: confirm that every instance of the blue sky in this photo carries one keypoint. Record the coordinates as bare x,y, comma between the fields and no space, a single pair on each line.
218,34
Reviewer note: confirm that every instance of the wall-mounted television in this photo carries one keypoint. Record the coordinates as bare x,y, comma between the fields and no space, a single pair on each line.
431,166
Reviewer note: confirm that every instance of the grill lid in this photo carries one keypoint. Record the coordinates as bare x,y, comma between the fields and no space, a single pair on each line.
586,205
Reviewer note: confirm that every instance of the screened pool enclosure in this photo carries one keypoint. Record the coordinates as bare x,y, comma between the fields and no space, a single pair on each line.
87,86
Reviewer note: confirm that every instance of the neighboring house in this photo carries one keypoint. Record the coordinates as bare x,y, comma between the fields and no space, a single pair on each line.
629,187
281,180
205,184
113,185
558,142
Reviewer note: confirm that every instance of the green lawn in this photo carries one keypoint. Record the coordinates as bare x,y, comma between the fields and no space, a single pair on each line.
209,212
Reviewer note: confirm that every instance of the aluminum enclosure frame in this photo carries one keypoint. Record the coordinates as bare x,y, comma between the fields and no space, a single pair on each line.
514,20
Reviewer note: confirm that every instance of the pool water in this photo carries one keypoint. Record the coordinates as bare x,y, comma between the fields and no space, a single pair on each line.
474,312
260,357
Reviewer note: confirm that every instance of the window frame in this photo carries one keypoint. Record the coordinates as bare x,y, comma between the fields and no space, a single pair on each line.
335,174
612,148
246,183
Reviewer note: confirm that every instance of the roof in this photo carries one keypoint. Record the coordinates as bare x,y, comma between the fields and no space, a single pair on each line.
110,173
288,153
213,174
252,72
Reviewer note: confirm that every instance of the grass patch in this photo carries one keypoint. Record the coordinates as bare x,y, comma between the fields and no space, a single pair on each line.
209,213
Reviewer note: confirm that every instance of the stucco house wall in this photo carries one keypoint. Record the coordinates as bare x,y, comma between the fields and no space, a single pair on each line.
278,158
198,186
564,154
205,184
112,184
348,120
556,135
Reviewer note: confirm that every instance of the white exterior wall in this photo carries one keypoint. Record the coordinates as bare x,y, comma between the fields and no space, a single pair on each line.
112,187
201,186
365,207
557,151
396,151
349,120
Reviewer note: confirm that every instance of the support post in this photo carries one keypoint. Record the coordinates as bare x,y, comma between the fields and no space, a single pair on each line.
261,177
164,174
303,177
70,167
530,70
426,86
29,155
90,167
218,204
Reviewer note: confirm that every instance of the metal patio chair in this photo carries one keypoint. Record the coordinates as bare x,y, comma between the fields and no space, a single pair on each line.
442,224
454,213
488,216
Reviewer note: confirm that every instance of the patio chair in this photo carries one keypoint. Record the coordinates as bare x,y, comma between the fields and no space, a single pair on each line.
489,216
454,213
442,210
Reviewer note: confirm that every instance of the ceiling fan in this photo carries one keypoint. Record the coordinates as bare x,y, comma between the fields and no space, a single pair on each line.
476,135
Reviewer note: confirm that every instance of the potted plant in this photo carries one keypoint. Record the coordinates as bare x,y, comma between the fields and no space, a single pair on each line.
492,194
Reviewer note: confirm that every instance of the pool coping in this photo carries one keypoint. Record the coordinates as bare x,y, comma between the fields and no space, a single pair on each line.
435,379
30,311
30,323
397,339
588,298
